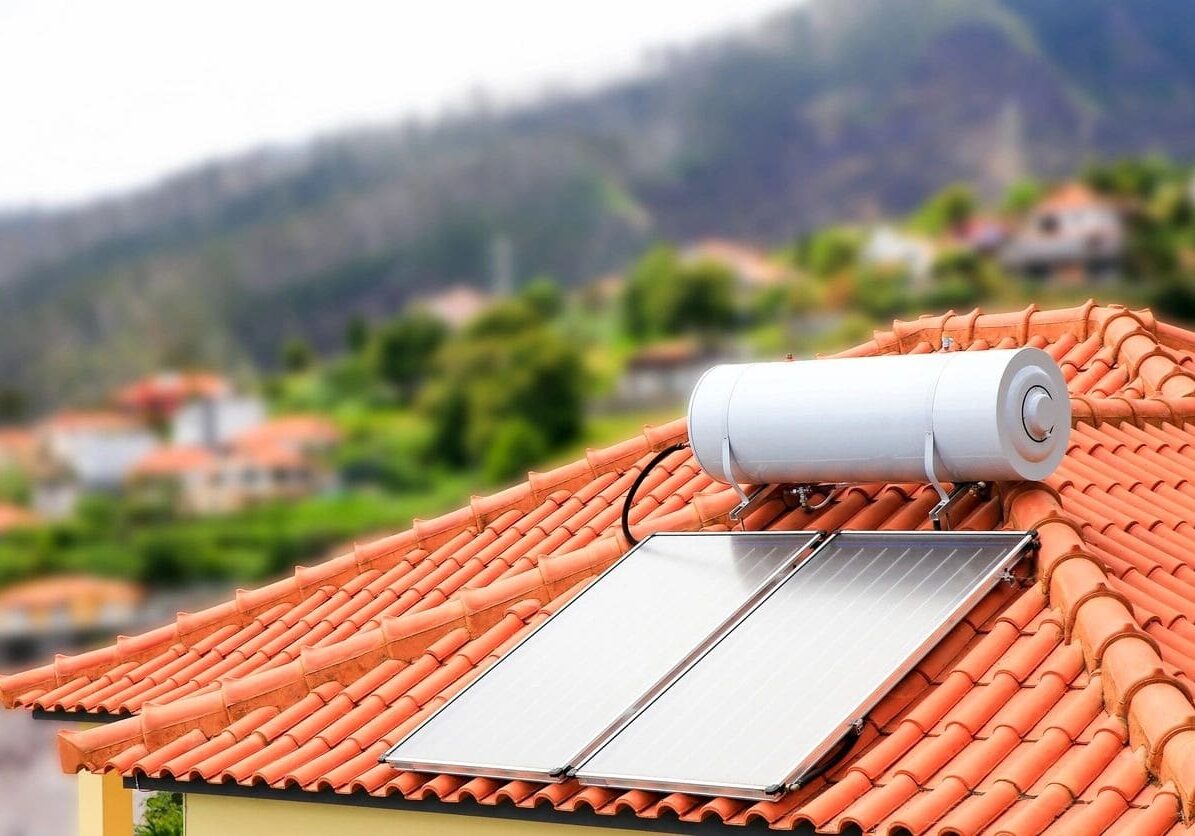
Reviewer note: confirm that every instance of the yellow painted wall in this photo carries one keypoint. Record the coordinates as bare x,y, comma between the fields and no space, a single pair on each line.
105,806
218,815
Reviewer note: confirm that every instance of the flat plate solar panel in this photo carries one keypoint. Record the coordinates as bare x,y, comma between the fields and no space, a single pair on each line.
544,703
769,699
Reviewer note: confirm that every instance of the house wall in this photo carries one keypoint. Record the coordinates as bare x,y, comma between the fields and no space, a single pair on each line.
214,421
219,815
101,459
235,484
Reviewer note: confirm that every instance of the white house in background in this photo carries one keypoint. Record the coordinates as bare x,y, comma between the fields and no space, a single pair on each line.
887,246
215,421
1072,234
97,448
456,306
84,451
281,459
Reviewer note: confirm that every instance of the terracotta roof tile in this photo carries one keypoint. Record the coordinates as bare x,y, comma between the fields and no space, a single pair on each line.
16,516
1061,706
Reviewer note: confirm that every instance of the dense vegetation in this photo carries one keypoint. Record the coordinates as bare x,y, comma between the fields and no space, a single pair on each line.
429,416
163,815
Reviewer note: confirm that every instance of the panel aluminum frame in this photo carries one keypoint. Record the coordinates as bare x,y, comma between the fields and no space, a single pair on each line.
800,553
1018,546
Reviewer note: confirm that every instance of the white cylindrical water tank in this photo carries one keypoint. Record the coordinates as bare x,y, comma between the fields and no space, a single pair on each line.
993,415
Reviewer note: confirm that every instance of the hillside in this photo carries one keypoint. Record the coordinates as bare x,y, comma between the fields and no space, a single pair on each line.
827,112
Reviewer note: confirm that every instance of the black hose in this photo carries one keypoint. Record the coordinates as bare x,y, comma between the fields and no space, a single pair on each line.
841,749
626,505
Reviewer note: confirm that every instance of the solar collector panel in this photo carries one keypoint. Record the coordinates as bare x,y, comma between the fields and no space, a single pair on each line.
765,702
552,696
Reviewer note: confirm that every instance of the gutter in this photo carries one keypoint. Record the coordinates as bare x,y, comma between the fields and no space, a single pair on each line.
544,813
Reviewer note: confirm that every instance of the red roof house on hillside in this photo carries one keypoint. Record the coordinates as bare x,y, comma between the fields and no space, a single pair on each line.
158,396
1072,234
16,516
1063,707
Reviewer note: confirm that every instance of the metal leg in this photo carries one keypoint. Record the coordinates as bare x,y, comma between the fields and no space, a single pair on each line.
751,501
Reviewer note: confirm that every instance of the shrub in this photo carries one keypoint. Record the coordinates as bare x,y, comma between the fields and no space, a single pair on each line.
163,815
516,445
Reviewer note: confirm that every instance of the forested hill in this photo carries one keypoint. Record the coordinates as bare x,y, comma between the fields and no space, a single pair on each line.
833,110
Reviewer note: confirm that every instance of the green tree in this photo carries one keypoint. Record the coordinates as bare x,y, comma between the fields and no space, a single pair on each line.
950,208
13,404
404,347
297,355
881,291
665,296
700,298
356,334
163,815
655,269
508,318
544,295
14,485
516,446
828,252
493,374
1021,196
1132,177
960,278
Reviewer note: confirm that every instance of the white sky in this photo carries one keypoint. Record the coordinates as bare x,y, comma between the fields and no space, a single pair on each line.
102,95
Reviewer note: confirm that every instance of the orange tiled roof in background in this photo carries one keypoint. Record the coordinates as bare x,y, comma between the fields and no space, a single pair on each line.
1065,705
1071,195
161,394
173,461
297,432
68,590
18,447
90,420
16,516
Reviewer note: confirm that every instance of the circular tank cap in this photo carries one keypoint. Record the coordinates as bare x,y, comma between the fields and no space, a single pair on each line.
1039,413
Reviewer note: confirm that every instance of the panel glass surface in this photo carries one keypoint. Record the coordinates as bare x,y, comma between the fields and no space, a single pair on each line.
774,694
557,691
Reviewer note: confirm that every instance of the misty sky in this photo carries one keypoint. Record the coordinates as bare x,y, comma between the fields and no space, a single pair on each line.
102,96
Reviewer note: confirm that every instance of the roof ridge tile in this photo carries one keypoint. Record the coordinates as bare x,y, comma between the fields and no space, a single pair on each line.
433,533
567,477
1132,666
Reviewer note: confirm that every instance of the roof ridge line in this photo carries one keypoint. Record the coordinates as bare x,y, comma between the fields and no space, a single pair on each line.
974,325
1155,706
1133,338
1153,410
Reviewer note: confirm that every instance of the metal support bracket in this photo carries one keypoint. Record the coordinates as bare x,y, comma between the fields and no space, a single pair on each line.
929,468
752,501
797,496
940,513
728,469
